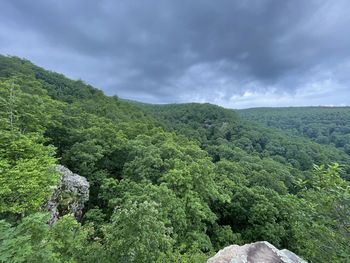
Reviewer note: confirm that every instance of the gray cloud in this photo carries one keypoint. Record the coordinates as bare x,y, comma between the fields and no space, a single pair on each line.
234,53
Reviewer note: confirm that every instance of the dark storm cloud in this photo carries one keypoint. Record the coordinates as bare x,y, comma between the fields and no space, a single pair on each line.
235,53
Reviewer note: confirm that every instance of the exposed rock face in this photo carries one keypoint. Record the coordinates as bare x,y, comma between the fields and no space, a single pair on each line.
259,252
69,196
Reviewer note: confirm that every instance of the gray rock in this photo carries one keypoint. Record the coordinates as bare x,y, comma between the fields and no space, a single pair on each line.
259,252
69,196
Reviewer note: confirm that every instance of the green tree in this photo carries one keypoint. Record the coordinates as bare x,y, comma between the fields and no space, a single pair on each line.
33,240
136,234
324,226
27,174
25,105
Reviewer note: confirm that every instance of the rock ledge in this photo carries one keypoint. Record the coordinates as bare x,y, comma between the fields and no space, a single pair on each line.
259,252
69,196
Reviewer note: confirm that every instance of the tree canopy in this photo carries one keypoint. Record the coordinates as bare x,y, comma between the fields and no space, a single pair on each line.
168,183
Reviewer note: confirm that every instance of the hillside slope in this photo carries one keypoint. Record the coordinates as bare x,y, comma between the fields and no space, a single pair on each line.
213,126
324,125
171,183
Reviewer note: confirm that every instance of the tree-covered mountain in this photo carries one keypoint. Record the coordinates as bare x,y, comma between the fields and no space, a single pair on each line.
215,126
324,125
170,183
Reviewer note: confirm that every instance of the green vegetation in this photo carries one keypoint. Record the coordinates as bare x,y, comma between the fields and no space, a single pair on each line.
324,125
170,183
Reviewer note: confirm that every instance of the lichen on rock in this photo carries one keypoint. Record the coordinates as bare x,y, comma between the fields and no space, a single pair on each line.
69,196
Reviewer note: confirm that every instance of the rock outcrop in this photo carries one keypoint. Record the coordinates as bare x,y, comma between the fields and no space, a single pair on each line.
259,252
69,196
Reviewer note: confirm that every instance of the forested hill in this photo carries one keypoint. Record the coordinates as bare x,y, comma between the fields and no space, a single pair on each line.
220,131
324,125
171,183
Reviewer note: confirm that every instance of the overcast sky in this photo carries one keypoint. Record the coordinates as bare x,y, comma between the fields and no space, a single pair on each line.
238,54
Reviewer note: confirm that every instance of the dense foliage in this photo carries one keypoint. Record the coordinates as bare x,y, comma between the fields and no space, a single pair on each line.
169,183
324,125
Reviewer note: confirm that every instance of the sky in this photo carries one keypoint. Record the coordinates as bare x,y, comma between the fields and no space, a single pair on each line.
237,54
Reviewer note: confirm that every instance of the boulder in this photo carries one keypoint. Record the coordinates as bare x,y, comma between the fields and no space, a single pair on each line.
259,252
69,196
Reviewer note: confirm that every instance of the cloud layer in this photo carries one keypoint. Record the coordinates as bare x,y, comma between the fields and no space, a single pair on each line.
234,53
